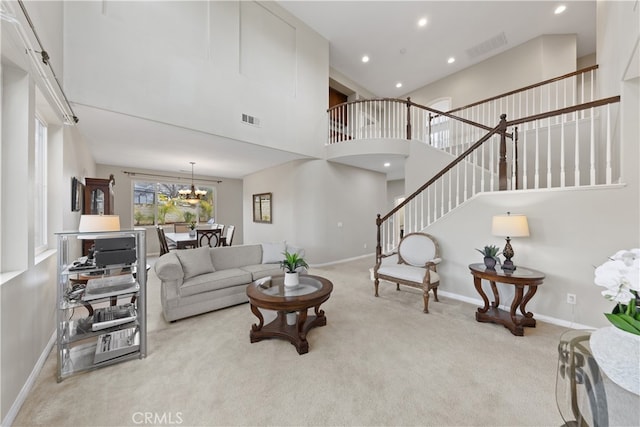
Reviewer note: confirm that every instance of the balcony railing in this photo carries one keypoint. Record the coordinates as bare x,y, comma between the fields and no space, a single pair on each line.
403,119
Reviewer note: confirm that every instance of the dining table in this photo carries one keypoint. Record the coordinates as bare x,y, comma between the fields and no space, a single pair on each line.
182,240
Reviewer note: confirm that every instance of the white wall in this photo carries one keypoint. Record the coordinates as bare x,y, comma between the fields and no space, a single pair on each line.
569,238
27,282
327,208
201,65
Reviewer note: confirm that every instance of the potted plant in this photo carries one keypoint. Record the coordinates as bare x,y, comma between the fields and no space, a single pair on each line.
290,264
490,253
192,227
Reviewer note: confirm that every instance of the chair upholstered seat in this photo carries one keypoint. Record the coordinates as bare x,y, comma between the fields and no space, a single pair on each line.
408,273
413,265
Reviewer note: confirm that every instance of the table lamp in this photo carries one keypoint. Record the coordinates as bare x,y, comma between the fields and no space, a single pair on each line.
509,226
99,223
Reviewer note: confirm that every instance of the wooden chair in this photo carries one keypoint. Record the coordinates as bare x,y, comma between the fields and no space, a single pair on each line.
209,238
414,265
164,246
228,235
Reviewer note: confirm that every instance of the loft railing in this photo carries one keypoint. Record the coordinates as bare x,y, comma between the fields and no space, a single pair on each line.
403,119
549,150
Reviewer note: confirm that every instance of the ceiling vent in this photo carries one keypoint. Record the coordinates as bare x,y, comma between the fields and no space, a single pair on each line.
487,46
250,120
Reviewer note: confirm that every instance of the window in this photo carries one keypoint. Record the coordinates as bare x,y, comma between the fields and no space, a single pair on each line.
160,203
40,187
440,135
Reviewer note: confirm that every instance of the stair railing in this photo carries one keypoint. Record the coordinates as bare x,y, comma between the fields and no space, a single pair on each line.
542,155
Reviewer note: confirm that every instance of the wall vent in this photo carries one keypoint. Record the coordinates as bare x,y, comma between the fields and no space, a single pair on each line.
487,46
250,120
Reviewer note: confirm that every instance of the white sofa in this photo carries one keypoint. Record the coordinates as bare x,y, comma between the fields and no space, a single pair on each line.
195,281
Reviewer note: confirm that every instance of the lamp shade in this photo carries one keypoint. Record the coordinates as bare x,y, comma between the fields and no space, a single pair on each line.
98,223
510,226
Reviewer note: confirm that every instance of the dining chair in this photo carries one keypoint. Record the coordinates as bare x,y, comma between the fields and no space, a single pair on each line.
227,238
165,248
209,238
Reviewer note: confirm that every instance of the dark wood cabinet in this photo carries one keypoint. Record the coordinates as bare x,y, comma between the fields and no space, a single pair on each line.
98,196
98,200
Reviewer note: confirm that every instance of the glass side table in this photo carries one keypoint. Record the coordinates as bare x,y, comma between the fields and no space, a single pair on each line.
585,396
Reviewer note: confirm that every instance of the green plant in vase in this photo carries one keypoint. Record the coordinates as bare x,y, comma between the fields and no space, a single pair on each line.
490,254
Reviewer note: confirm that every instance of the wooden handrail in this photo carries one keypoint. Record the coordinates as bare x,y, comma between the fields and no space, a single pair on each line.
410,104
500,128
567,110
522,89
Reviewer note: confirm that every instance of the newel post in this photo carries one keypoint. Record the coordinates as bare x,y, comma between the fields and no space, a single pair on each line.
502,164
409,118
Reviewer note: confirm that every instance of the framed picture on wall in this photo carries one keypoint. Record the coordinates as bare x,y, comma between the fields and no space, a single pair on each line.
262,208
77,190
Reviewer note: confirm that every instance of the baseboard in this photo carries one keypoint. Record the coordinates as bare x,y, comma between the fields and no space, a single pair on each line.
326,264
28,385
541,317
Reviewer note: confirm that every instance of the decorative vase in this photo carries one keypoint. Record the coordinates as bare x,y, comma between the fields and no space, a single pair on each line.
292,318
618,355
490,262
192,233
291,280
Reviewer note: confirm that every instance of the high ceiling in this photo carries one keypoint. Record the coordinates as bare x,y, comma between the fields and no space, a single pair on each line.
402,51
399,51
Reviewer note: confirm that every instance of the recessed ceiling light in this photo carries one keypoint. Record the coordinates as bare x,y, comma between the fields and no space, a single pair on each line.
365,59
422,22
560,9
451,60
386,165
398,85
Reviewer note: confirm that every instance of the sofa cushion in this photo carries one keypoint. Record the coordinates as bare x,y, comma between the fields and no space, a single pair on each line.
236,256
273,252
213,281
195,261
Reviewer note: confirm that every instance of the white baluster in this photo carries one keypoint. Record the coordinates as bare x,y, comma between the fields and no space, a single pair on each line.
562,154
549,153
592,146
576,173
524,156
537,159
608,155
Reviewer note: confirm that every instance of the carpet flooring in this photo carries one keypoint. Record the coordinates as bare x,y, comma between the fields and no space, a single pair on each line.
377,362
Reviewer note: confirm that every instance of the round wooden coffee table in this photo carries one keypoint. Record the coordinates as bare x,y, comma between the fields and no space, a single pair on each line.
270,294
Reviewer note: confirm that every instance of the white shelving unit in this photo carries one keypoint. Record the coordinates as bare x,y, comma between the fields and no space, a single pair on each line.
81,345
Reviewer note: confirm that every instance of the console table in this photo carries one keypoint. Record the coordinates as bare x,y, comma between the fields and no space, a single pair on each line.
521,277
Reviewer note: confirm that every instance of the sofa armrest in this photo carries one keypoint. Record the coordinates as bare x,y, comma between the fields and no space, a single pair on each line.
168,268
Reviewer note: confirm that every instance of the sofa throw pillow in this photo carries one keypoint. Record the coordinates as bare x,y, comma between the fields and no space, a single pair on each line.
195,261
273,252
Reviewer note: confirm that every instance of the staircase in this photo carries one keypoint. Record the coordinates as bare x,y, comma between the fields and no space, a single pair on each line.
551,135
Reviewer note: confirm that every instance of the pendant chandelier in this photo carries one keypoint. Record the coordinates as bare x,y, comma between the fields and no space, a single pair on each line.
192,196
